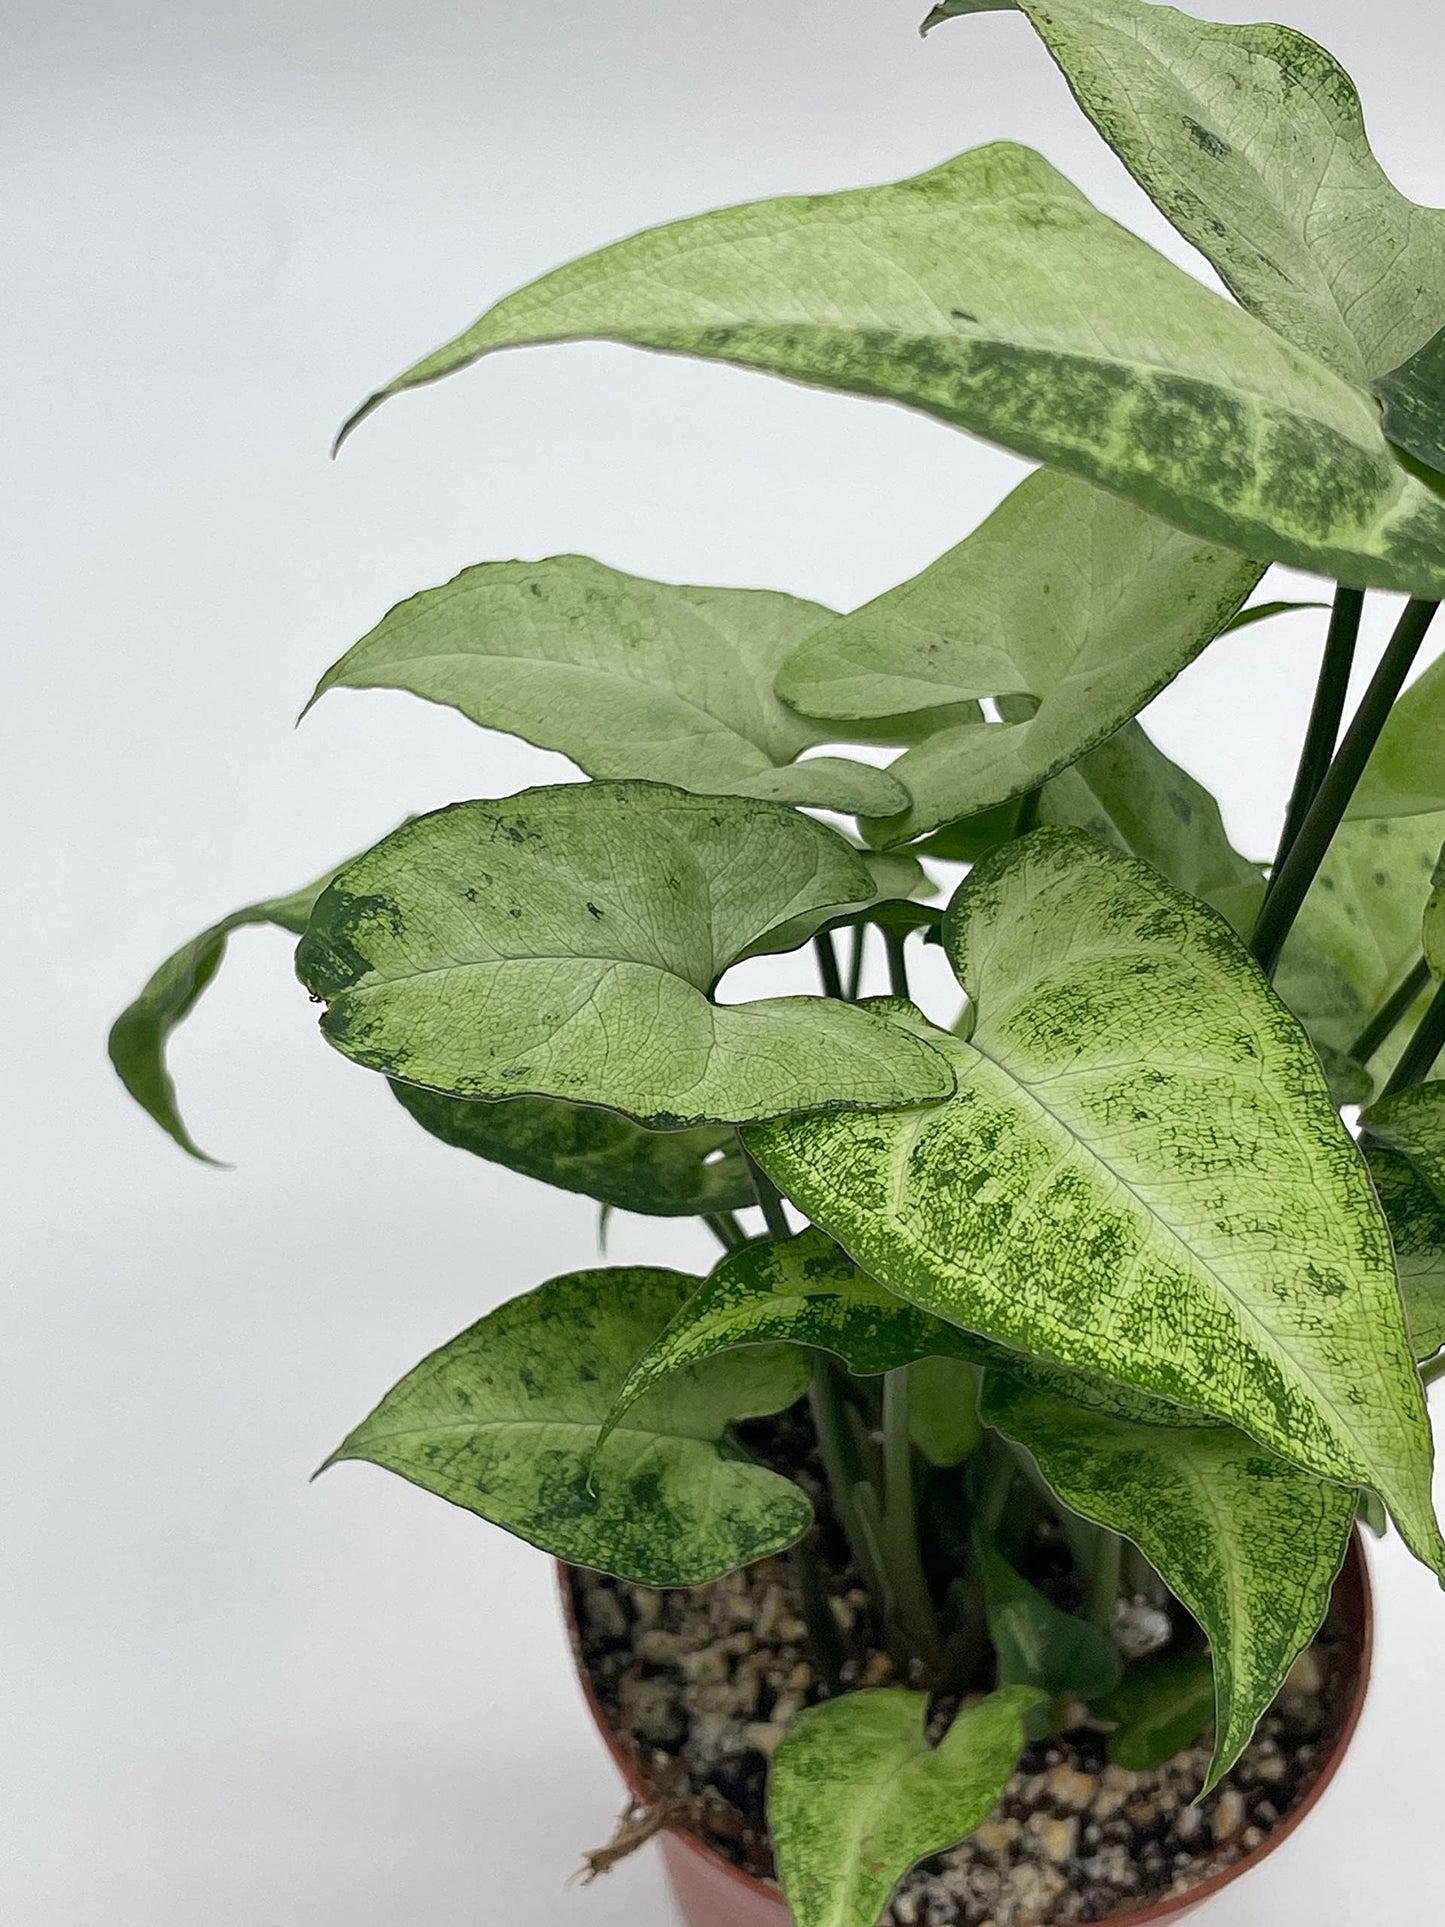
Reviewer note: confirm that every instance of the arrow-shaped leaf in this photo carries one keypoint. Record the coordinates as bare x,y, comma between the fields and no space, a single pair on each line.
992,295
629,678
1416,1218
1080,606
1251,140
505,1421
1141,1173
565,942
1250,1544
857,1796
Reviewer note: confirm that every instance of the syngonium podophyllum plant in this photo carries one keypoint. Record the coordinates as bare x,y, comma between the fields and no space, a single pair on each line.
1099,1257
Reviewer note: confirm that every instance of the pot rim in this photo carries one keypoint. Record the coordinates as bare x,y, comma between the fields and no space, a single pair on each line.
1356,1597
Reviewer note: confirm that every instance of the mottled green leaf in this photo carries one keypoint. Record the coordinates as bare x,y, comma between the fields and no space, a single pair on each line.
1416,1218
1079,604
1358,932
1141,1173
992,295
1251,140
1250,1544
805,1292
1413,407
857,1795
943,1420
1036,1644
580,1148
1412,1122
139,1036
1161,1706
505,1421
1405,775
564,942
892,873
630,678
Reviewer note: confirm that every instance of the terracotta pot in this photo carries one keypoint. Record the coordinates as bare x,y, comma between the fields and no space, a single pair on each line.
713,1893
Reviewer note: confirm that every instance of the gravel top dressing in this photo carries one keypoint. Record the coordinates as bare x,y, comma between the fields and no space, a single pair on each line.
700,1684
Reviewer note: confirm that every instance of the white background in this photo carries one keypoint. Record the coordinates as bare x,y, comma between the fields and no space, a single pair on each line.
232,1697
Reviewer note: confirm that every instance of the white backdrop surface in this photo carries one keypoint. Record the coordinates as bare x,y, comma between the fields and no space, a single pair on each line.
231,1696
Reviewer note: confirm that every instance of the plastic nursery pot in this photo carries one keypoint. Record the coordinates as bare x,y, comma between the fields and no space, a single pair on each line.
713,1893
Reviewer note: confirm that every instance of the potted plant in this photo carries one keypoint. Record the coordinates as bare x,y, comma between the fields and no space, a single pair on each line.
983,1512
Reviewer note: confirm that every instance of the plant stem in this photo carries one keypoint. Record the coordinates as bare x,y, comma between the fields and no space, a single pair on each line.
769,1197
827,955
1390,1012
1289,884
725,1228
843,1472
995,1493
827,1640
1435,1369
911,1598
1423,1048
1323,730
855,961
1105,1579
897,962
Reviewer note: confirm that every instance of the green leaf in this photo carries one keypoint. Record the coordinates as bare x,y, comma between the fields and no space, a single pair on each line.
579,1148
505,1421
1358,932
139,1036
1038,1645
1250,1544
991,294
891,873
1161,1706
1405,775
1416,1218
805,1292
1413,412
943,1419
857,1796
629,678
1080,604
1141,1173
564,942
1412,1122
1251,140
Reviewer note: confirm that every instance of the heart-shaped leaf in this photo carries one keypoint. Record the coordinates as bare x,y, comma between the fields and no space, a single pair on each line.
992,295
1141,1173
1036,1644
564,942
580,1148
1079,604
505,1421
629,678
1250,1544
1161,1706
139,1036
1251,140
857,1796
1416,1217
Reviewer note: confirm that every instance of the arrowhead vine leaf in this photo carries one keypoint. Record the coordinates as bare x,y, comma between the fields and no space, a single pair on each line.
1157,1188
1416,1217
1250,1544
1079,604
1405,775
857,1795
991,294
139,1036
1413,407
1036,1643
1251,140
505,1421
564,944
629,678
